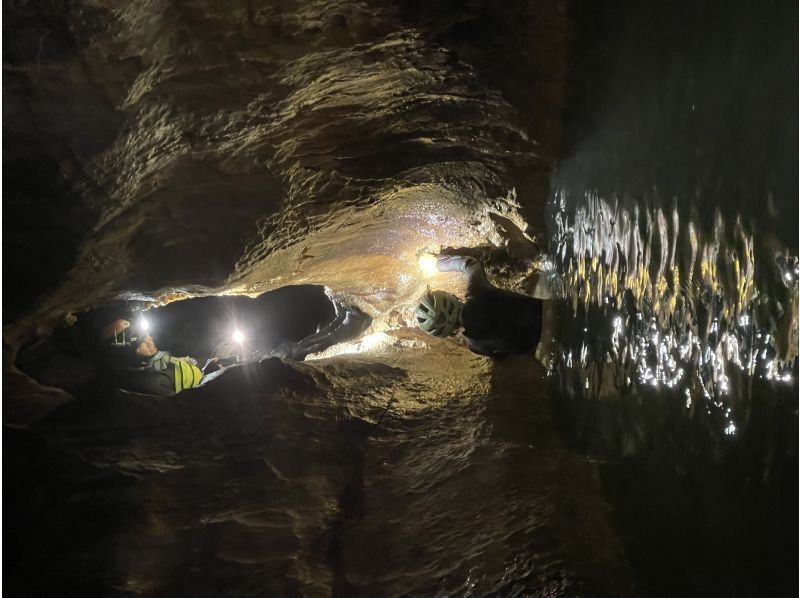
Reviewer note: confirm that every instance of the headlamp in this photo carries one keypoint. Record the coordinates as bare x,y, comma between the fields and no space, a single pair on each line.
427,264
144,324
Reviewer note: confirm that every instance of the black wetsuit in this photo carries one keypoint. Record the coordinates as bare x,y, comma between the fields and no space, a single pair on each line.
496,322
148,381
157,377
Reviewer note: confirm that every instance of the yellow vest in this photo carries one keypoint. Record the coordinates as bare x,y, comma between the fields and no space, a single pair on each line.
186,375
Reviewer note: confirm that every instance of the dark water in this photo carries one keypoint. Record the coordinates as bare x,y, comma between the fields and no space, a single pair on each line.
673,226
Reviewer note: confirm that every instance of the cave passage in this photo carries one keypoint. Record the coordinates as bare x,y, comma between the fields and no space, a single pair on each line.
290,323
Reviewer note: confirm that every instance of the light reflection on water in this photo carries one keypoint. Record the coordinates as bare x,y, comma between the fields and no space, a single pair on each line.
655,302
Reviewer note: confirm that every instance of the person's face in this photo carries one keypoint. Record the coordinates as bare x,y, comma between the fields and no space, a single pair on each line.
147,348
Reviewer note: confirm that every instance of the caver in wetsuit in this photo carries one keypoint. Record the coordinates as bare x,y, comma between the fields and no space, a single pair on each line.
495,322
162,375
141,367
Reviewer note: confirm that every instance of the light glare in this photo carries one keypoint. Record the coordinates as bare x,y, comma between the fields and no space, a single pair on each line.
427,264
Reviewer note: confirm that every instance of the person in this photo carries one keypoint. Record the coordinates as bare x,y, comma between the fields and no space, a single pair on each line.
494,322
143,368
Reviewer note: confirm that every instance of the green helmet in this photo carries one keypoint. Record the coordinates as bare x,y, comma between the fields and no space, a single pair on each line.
438,313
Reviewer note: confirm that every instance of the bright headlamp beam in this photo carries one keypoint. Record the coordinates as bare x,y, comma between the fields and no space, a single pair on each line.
238,336
427,264
144,324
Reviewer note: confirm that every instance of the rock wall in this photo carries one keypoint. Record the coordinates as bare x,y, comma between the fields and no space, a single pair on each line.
196,147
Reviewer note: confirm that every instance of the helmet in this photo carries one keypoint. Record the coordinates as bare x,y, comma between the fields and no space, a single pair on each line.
120,333
438,313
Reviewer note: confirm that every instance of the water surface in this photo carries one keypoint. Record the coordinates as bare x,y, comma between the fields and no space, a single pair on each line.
673,228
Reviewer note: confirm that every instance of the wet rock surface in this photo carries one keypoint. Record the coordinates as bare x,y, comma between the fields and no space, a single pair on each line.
265,135
348,476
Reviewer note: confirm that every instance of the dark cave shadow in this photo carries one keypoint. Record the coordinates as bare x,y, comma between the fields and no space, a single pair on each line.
60,515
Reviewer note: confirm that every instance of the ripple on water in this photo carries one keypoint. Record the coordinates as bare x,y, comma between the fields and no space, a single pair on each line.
656,304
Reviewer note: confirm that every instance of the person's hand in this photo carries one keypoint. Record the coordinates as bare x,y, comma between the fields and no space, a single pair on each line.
450,263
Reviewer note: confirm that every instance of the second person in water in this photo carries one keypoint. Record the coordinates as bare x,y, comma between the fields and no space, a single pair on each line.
494,322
